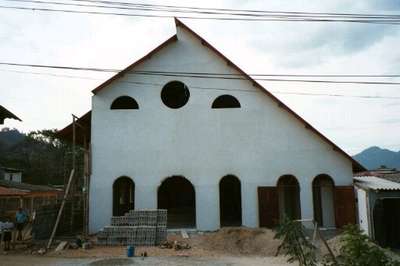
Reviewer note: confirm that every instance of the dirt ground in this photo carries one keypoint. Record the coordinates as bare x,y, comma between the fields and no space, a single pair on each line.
228,246
227,241
13,260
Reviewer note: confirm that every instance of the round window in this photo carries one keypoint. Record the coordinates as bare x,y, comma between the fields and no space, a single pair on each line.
175,94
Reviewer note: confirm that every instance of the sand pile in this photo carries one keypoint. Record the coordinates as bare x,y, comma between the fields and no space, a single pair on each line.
241,241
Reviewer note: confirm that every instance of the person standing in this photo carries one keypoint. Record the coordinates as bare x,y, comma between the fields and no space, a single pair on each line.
6,228
21,218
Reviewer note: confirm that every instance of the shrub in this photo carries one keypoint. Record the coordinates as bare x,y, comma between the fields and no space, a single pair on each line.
358,250
295,244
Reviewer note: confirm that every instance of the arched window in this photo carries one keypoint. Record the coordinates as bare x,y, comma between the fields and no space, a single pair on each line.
124,102
123,195
225,101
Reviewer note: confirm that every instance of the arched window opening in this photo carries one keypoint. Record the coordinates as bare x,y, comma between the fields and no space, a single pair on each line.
175,94
123,196
230,201
323,198
177,195
289,197
225,101
124,102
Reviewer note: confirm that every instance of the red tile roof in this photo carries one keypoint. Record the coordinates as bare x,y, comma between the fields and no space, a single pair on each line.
4,191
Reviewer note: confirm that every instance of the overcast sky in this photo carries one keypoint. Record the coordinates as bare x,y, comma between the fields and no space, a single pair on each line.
44,101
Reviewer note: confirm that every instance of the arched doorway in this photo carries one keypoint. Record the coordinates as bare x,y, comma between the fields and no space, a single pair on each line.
289,197
177,195
323,199
123,196
230,201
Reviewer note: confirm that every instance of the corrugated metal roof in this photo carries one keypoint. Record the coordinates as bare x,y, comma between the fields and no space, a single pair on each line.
376,183
26,186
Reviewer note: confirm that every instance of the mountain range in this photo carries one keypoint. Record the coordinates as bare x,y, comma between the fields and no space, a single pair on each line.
374,157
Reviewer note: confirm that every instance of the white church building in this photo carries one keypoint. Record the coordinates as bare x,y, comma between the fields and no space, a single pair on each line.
169,132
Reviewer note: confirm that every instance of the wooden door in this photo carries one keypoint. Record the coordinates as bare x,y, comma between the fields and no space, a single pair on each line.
345,207
268,206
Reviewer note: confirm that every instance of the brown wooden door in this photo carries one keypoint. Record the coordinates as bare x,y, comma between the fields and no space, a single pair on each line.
268,206
345,207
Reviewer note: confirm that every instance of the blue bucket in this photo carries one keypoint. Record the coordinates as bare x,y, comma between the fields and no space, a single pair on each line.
130,251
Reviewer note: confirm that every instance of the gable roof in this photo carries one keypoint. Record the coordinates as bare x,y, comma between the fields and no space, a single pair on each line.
356,165
4,113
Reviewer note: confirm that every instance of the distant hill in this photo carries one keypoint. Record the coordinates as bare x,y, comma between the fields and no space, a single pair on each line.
374,157
9,138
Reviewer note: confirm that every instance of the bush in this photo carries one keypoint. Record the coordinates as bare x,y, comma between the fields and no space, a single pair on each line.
358,250
295,244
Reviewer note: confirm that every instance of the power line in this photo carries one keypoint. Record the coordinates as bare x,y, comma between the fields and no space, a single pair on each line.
197,73
199,10
204,75
60,67
235,10
389,21
210,88
275,79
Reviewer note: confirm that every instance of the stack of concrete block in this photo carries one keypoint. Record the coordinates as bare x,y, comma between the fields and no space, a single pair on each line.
137,227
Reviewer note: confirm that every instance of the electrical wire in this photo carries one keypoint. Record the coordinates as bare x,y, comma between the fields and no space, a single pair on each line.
209,88
233,17
197,10
208,76
196,73
232,10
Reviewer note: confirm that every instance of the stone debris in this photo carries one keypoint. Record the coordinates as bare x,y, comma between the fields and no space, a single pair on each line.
177,245
184,234
63,245
41,251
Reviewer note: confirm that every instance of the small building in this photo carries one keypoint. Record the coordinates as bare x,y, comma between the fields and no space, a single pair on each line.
14,195
378,194
11,174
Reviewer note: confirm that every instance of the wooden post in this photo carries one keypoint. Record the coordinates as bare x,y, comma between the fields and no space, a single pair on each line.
327,246
71,176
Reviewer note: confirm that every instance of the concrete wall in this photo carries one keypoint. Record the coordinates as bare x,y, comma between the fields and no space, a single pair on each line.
258,143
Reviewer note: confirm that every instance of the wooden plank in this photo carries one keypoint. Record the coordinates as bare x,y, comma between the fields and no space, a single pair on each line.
268,206
345,207
71,176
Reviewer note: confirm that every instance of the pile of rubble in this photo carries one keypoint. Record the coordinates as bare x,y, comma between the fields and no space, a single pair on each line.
137,228
176,245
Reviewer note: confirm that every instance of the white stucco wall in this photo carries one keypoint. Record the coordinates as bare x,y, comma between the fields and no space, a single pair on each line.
362,204
258,143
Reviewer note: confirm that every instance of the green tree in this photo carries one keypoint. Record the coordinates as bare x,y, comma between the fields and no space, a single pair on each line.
295,243
43,158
